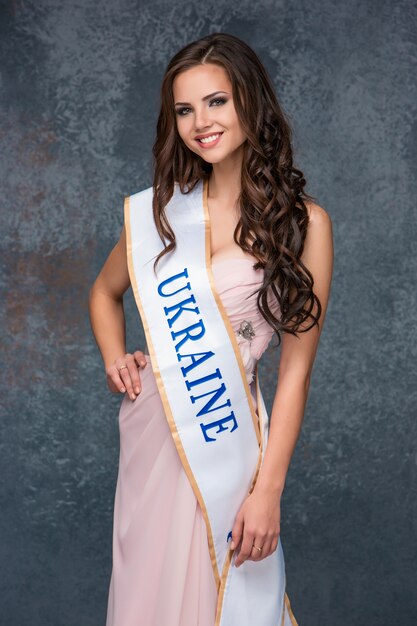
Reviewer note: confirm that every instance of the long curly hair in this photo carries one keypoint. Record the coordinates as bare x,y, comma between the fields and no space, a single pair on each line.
273,216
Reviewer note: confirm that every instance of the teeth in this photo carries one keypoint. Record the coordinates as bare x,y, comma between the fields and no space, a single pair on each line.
209,139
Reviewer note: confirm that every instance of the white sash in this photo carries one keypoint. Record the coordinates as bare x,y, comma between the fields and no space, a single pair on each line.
202,384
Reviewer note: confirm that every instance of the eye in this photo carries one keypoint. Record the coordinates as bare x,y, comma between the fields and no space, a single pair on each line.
221,100
181,111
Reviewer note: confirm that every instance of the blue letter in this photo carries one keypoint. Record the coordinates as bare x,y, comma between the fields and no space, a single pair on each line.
169,280
216,393
180,306
195,362
186,332
219,423
193,383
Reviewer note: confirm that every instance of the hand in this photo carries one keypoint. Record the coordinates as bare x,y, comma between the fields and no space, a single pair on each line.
257,523
127,378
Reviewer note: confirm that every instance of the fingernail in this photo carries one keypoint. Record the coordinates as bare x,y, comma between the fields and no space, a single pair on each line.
137,389
123,390
232,545
143,363
133,397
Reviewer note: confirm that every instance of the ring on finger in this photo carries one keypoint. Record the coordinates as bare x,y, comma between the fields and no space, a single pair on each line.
122,367
260,549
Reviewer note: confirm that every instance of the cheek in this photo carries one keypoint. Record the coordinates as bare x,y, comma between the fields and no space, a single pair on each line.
184,130
233,124
238,133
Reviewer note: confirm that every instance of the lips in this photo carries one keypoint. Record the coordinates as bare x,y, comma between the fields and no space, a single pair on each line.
209,143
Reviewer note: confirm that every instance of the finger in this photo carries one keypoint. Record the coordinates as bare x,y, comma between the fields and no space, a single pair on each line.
123,371
134,374
258,555
114,376
125,376
111,385
255,555
237,532
258,542
140,358
274,545
269,545
246,549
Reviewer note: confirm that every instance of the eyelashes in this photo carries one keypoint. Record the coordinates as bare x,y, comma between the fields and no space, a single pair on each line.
181,110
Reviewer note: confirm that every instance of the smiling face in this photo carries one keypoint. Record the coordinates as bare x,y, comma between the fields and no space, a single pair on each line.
204,109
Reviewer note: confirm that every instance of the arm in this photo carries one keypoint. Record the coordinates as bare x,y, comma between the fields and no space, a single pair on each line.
258,520
108,322
296,361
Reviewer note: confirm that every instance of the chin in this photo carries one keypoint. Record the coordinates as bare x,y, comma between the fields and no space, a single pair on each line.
213,161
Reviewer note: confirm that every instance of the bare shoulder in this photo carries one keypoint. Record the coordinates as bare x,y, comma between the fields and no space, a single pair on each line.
318,243
320,228
318,216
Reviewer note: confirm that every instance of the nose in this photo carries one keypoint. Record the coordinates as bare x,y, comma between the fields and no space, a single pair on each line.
201,119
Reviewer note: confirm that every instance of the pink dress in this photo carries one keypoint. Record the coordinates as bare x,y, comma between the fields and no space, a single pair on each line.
162,573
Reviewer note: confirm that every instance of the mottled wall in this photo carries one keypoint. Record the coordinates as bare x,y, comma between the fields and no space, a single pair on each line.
78,105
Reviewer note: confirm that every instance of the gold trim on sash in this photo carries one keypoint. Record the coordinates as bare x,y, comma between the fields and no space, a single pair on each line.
163,395
290,613
255,417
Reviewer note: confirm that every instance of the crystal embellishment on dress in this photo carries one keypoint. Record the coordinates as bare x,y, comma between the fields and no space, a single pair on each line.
245,334
246,330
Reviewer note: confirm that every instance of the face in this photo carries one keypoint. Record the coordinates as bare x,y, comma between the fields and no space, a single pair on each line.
204,108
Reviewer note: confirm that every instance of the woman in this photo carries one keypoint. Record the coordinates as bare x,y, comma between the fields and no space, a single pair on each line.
228,243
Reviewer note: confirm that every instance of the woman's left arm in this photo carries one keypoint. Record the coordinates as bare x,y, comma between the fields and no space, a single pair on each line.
258,521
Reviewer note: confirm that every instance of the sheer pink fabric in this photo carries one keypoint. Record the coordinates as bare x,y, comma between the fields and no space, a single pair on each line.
162,574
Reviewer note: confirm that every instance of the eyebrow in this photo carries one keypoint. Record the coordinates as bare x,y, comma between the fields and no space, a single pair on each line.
205,97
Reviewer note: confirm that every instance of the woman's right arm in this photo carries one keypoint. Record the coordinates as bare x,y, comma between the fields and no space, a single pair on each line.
108,322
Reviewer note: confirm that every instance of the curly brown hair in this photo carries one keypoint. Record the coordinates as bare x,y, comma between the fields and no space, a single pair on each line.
273,216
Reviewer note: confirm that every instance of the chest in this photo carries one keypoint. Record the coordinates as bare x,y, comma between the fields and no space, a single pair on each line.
222,226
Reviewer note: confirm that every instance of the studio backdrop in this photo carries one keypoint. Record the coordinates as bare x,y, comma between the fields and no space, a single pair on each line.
79,99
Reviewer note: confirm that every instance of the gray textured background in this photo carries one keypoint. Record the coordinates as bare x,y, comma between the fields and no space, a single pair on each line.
78,104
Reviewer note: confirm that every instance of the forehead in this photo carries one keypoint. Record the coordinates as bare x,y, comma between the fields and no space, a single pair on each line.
196,82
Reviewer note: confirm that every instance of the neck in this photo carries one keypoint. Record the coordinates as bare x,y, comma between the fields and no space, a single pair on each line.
224,181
